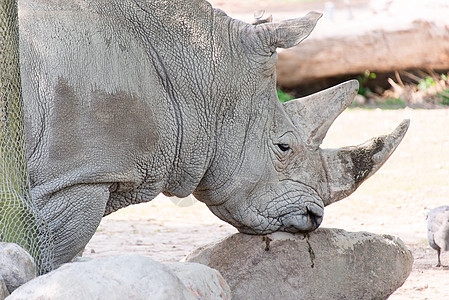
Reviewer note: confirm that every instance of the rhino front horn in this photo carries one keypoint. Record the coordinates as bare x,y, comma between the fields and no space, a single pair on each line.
346,168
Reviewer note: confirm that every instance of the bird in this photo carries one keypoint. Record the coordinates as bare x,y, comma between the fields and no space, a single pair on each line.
438,230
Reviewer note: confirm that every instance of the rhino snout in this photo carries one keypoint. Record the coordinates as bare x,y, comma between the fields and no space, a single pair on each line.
288,206
304,222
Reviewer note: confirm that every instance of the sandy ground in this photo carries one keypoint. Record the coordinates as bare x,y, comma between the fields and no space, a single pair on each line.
392,201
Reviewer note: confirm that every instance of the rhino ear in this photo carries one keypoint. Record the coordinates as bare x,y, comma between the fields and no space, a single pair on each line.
288,33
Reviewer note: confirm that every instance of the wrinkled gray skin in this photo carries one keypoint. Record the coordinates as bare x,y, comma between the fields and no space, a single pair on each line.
128,99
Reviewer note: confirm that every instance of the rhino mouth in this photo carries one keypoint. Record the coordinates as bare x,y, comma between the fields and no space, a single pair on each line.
304,222
298,210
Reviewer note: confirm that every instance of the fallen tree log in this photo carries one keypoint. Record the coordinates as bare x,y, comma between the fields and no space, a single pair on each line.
421,45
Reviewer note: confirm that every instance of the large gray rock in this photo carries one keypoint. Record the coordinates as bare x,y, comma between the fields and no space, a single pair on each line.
325,264
16,265
122,277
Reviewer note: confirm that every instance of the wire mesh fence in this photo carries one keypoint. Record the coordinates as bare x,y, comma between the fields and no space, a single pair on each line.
20,222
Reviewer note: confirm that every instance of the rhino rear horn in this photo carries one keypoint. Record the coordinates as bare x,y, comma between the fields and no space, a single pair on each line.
313,115
289,33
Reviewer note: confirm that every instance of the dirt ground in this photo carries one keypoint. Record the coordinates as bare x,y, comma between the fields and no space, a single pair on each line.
392,201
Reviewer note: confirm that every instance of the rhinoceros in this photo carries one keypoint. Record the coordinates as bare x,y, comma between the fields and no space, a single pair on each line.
126,99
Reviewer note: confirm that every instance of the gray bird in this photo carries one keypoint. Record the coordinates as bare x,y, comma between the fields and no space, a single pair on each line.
438,230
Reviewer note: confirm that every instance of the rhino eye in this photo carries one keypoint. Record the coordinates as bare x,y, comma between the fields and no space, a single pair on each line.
284,147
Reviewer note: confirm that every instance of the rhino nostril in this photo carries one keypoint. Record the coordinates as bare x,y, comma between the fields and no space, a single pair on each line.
315,209
305,220
316,220
315,215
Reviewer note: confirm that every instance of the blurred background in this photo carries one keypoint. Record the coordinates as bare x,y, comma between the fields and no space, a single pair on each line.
397,49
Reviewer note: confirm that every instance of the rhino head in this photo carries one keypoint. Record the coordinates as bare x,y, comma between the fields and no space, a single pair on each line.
272,175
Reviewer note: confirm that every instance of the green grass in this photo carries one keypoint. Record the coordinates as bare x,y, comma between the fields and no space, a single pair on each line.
392,103
388,104
284,97
426,82
444,95
363,80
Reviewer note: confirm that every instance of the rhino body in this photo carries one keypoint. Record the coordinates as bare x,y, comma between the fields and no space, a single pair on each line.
126,99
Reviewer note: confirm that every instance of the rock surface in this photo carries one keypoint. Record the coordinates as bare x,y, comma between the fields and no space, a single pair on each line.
3,290
16,265
122,277
326,264
202,281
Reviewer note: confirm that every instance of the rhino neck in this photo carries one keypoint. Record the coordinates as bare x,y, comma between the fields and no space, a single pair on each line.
241,150
186,78
200,86
192,149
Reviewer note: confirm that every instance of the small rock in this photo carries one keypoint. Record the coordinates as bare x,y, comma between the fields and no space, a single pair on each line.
16,266
324,264
121,277
125,277
421,287
81,259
